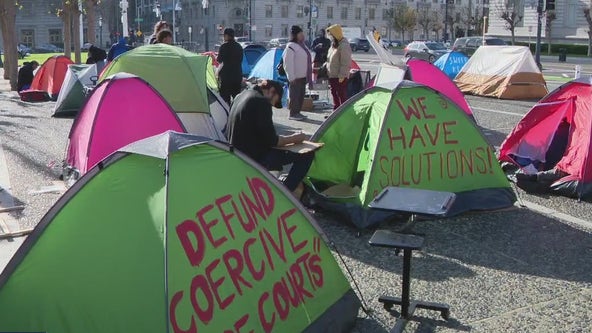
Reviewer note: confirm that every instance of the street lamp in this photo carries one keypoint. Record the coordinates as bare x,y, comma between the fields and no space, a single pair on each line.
451,2
123,4
205,4
101,31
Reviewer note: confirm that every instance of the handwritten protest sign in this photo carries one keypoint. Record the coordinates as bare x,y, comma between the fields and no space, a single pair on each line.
245,260
428,142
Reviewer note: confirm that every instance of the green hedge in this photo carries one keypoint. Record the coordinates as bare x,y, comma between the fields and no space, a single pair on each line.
576,49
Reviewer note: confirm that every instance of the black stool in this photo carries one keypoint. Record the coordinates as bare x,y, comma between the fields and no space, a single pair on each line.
407,243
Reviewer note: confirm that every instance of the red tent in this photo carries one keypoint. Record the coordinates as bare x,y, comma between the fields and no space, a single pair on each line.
556,134
213,55
50,76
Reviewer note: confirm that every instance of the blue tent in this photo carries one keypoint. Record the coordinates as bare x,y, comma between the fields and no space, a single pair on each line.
451,63
266,67
251,54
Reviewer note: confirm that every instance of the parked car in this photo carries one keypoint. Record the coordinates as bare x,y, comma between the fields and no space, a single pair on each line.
468,45
359,44
396,43
278,42
47,48
429,51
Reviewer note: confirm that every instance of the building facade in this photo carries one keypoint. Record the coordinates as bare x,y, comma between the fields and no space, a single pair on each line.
37,23
569,25
270,19
261,19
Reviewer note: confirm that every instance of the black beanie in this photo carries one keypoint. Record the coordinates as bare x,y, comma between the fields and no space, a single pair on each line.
296,30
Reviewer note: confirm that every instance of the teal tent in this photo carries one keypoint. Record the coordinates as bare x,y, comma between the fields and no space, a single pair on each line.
72,94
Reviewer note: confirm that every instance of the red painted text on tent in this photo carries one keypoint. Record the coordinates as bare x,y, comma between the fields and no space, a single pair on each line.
422,148
242,245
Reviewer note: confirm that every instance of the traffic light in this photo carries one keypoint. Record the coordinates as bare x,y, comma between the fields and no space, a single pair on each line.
550,5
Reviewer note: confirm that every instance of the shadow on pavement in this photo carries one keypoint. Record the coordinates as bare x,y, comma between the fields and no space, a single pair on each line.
517,241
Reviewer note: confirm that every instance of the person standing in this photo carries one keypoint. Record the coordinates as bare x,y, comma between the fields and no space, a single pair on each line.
26,75
250,129
160,25
117,49
298,67
321,47
338,64
230,58
164,37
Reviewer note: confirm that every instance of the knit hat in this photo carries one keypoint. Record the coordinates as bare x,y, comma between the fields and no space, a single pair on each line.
295,30
336,31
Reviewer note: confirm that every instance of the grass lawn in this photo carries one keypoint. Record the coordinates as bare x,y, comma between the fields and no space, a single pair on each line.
41,57
557,78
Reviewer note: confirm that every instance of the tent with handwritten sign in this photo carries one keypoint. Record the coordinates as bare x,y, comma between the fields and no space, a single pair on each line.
422,72
507,72
152,240
451,63
411,136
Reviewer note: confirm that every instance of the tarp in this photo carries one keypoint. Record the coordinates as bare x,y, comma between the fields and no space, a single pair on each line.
138,245
569,109
451,63
266,67
425,73
185,79
410,136
122,109
508,72
251,54
51,75
72,94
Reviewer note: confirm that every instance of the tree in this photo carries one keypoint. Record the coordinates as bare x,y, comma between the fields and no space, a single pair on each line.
586,11
549,18
425,19
8,25
436,26
404,19
508,10
90,8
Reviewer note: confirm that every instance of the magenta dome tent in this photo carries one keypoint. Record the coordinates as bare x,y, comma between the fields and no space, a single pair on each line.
122,109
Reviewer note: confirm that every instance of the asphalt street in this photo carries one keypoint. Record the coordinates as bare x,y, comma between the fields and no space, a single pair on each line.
523,269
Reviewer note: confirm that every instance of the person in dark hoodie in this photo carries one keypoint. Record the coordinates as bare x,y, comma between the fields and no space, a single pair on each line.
117,49
25,75
95,54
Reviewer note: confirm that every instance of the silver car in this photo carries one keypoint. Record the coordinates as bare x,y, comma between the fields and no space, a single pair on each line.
429,51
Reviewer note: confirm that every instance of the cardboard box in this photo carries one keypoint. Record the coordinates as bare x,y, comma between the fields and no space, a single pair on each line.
307,105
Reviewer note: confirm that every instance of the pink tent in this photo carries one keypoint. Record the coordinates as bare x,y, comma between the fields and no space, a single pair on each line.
122,109
427,74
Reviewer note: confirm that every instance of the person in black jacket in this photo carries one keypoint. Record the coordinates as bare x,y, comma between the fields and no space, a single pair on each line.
250,129
230,58
25,75
321,47
95,54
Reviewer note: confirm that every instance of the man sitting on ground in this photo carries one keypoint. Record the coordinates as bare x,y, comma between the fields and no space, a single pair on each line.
251,130
26,75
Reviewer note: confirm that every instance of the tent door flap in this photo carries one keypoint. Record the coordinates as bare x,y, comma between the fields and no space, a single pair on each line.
413,200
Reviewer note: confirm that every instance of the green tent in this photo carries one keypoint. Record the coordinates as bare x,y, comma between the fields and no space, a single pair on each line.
176,233
183,78
72,95
411,136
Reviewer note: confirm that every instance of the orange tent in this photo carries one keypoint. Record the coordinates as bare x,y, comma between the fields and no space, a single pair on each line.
50,76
